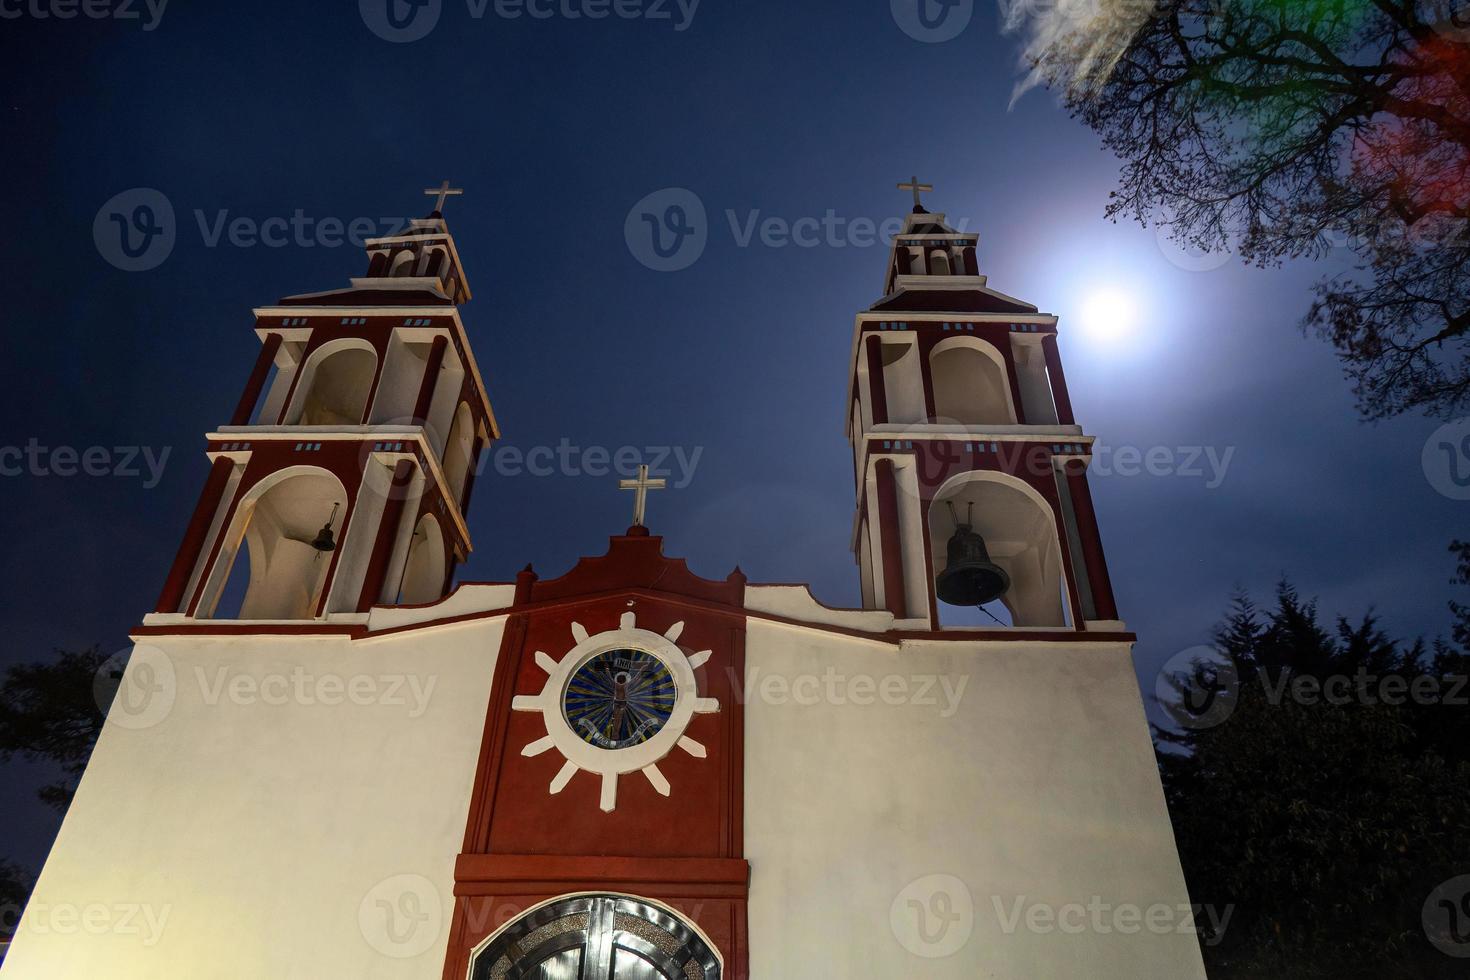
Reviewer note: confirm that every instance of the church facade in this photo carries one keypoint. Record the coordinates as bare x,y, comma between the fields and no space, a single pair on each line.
324,759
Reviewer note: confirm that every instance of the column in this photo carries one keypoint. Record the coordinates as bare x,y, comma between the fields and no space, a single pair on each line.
1058,380
253,387
377,570
193,543
431,377
1092,551
889,541
873,345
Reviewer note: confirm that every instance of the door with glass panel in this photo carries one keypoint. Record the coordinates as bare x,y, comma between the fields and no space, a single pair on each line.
597,937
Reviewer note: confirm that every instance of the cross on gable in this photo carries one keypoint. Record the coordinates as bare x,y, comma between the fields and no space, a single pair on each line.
443,191
640,487
917,188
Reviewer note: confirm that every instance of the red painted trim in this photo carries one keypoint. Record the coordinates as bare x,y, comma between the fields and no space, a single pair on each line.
194,534
377,570
732,805
931,588
515,874
224,530
256,383
888,531
878,392
469,476
1058,380
1103,602
492,744
433,363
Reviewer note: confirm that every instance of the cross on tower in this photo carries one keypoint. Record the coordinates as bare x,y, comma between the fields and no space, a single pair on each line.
640,487
917,188
444,191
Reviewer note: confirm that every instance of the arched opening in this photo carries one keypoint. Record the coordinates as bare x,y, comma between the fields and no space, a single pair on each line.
598,937
1021,536
378,264
335,384
939,262
403,263
458,450
970,383
424,570
434,264
280,526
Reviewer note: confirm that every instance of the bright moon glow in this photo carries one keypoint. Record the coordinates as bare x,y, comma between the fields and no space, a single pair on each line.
1109,313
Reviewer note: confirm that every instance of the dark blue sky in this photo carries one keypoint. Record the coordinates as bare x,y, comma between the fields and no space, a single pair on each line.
557,127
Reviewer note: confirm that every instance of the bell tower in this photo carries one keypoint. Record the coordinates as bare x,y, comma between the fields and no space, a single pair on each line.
344,474
973,508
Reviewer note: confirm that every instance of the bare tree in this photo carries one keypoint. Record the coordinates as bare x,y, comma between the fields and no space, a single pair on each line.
1282,129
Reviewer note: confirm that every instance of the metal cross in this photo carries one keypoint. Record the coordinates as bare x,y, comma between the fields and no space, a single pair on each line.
917,188
443,190
640,487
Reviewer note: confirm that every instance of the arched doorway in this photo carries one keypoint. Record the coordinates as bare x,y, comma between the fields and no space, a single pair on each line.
597,937
458,449
1021,536
335,384
424,571
276,524
970,383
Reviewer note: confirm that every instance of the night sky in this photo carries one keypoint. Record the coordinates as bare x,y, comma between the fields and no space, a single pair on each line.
557,127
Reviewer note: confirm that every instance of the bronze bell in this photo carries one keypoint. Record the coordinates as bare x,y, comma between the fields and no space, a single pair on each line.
324,540
970,578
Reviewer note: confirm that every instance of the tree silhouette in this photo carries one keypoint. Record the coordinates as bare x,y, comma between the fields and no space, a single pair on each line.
49,712
1285,128
1323,823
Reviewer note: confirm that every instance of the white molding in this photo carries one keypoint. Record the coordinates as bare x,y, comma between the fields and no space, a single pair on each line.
355,433
406,312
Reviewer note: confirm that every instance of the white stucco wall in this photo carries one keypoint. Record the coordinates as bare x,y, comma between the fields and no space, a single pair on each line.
279,807
901,837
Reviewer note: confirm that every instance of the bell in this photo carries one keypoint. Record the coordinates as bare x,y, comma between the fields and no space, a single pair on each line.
970,578
324,540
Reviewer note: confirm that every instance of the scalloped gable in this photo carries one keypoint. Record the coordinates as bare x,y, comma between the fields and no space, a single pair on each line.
636,561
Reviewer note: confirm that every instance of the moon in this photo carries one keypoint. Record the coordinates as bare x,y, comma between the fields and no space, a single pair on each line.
1109,313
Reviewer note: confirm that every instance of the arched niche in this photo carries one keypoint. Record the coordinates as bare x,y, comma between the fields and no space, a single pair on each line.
335,383
1021,535
458,449
425,568
598,937
403,263
939,262
971,385
275,523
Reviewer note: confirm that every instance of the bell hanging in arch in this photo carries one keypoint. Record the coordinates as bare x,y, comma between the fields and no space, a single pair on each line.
324,540
969,577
